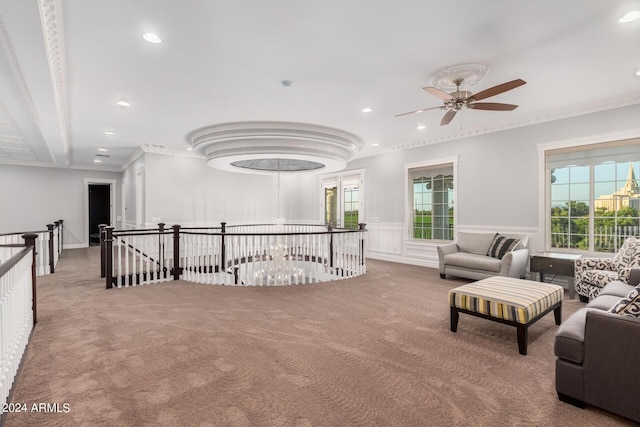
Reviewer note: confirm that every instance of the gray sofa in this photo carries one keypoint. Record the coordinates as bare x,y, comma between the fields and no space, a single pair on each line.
598,352
468,257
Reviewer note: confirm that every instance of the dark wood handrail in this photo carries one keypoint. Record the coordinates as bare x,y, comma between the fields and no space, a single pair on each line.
16,258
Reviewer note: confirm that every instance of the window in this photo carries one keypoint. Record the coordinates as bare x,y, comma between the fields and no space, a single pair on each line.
431,197
593,196
342,201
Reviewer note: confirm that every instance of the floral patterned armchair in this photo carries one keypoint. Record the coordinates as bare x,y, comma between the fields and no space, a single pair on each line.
591,274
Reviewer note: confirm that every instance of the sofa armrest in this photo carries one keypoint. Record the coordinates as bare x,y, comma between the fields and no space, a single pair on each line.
611,369
514,263
443,250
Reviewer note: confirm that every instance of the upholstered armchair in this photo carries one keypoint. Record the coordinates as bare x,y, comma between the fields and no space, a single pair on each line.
591,274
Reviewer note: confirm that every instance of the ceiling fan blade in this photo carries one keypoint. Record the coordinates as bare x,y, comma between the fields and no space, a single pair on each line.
448,117
493,91
493,106
439,93
420,111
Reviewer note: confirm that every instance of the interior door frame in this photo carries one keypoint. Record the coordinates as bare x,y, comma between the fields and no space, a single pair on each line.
338,178
112,186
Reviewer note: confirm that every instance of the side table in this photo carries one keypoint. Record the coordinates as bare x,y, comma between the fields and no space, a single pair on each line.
554,263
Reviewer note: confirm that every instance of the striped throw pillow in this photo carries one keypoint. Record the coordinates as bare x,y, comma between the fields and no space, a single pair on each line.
501,245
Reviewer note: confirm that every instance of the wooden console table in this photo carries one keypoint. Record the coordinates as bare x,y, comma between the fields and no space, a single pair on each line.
554,263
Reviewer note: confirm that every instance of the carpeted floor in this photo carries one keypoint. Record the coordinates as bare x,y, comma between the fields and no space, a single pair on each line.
370,351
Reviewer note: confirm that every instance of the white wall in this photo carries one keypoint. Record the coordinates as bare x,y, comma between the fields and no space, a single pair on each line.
32,197
497,182
184,190
129,189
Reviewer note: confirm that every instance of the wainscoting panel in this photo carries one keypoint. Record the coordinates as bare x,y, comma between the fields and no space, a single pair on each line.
387,242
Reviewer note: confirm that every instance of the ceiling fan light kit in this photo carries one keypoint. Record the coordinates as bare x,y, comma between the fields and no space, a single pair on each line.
459,99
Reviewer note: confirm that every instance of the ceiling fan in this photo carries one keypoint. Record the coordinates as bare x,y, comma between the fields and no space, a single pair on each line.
455,101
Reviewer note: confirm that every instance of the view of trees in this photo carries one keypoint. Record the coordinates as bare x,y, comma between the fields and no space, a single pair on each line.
570,226
423,227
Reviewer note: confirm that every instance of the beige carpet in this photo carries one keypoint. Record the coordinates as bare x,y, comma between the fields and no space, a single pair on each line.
369,351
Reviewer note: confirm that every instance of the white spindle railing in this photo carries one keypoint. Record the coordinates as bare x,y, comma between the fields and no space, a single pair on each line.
249,255
16,315
43,253
141,258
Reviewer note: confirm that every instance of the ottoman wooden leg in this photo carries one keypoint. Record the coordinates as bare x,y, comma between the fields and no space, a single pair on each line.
454,319
523,332
557,313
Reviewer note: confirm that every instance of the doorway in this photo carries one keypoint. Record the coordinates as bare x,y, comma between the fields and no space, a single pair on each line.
99,210
342,202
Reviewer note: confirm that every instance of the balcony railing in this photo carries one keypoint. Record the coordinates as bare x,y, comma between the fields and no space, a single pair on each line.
18,307
244,255
48,246
605,238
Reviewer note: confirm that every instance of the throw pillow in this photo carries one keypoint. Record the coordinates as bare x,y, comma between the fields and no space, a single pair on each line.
629,305
501,245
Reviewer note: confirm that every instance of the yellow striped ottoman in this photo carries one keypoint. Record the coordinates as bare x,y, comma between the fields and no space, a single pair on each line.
515,302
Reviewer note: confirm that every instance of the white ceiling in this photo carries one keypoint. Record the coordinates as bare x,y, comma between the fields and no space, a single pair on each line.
65,63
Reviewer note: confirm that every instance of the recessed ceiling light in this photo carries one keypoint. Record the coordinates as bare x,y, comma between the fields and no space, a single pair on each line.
109,132
367,109
189,149
630,17
638,73
123,103
375,145
102,149
97,161
151,38
421,127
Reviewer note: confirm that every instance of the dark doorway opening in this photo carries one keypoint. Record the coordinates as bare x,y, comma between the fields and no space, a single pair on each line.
99,210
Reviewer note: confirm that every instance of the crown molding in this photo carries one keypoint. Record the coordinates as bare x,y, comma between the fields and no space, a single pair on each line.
526,121
52,30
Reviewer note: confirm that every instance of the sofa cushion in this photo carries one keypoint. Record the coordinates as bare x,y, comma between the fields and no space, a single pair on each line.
501,245
569,339
603,302
629,305
472,261
616,288
475,243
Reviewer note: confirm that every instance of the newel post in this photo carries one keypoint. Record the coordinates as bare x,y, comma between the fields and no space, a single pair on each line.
30,241
362,227
60,235
101,227
330,231
52,261
176,252
161,265
108,256
223,255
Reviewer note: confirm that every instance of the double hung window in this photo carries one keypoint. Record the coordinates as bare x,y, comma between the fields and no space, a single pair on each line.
593,196
431,197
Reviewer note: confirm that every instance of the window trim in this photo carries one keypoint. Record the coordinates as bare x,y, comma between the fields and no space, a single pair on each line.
408,221
544,202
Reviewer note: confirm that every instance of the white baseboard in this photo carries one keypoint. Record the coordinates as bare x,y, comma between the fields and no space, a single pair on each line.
75,245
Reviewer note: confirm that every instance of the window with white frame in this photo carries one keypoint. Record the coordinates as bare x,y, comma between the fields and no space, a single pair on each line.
431,201
593,196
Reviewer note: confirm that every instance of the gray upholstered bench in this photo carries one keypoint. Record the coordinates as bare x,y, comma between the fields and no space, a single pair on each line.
515,302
